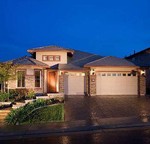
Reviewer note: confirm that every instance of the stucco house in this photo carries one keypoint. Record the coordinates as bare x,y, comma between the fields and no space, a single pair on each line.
142,59
53,69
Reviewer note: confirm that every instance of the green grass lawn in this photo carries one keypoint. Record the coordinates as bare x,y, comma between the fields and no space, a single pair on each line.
39,111
53,113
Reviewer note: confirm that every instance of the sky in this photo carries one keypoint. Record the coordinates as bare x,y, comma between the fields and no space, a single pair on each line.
104,27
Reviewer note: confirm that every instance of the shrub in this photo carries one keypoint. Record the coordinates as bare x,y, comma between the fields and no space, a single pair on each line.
4,96
20,114
30,94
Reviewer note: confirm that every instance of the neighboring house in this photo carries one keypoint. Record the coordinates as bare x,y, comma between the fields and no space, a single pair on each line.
54,69
142,59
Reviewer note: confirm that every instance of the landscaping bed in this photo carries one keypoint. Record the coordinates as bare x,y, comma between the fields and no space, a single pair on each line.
37,112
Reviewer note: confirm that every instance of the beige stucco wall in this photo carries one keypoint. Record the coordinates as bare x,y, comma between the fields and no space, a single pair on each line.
63,57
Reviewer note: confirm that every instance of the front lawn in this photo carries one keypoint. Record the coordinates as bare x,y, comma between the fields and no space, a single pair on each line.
37,112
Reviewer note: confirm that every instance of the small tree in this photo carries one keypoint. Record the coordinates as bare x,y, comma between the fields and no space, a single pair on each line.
7,72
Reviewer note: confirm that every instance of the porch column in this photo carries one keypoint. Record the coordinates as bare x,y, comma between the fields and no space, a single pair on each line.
61,83
141,85
92,85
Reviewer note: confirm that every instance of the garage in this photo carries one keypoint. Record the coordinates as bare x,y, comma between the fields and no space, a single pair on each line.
116,83
74,83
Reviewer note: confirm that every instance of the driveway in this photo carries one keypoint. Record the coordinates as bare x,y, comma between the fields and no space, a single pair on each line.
87,108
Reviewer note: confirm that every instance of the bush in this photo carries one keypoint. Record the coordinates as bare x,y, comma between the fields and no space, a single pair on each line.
4,97
20,115
30,94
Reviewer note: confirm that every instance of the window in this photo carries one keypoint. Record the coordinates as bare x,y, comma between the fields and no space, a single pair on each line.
124,74
21,78
103,74
114,74
45,58
119,74
129,74
57,58
37,78
51,58
109,74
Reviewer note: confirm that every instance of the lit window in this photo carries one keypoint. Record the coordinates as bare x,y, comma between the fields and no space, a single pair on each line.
37,78
21,78
51,58
57,58
45,58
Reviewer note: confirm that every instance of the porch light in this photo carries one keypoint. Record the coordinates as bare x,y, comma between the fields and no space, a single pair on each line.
60,72
92,72
143,72
83,74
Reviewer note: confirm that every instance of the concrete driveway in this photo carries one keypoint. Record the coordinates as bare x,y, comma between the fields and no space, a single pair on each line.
87,108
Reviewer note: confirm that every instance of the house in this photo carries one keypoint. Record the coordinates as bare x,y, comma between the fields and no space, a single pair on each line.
53,69
142,59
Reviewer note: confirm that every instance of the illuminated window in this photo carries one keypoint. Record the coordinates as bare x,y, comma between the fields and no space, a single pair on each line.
45,58
51,58
57,58
37,78
21,78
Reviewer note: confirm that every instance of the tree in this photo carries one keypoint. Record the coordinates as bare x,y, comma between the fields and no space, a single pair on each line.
7,72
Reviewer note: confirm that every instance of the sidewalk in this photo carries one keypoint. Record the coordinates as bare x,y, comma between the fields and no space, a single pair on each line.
39,130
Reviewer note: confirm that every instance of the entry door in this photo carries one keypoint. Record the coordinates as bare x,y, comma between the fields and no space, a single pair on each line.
52,81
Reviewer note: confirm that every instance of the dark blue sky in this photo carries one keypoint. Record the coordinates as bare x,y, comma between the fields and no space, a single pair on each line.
105,27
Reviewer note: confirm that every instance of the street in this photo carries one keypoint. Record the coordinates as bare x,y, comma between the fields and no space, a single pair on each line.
123,136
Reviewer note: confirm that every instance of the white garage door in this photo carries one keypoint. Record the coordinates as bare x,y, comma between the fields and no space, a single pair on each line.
116,84
74,84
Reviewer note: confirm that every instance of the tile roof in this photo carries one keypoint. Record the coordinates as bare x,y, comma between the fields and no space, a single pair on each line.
110,61
49,48
28,61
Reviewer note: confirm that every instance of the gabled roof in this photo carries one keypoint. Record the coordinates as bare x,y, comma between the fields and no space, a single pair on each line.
140,52
28,61
110,61
49,48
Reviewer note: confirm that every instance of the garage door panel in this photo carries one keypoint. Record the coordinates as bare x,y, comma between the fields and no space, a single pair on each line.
74,85
116,85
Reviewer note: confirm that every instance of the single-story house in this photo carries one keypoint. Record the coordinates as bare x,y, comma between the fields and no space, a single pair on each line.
142,59
53,69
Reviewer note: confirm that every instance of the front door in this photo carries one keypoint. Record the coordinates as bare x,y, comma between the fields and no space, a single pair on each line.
52,81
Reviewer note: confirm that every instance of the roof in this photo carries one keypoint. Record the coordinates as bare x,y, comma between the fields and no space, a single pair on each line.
140,52
81,58
66,67
49,48
28,61
110,61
